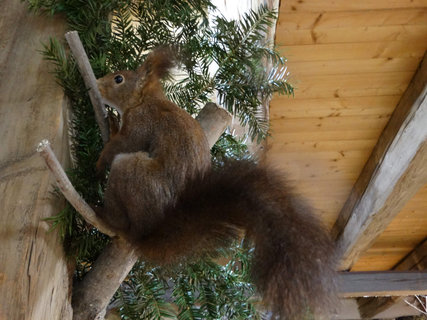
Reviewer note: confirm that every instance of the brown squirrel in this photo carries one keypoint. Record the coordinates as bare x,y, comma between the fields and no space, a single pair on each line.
165,198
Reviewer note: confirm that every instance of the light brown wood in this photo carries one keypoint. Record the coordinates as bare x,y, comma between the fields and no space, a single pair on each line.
325,124
402,235
352,18
352,34
346,82
299,70
352,85
34,278
394,283
343,5
380,193
353,51
289,108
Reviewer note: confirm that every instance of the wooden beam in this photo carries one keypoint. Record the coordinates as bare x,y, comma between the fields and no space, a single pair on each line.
387,283
415,260
394,172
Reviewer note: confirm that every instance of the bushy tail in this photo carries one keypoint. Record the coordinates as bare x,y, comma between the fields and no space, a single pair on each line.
294,262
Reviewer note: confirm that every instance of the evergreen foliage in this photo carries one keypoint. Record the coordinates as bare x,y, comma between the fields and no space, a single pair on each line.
219,58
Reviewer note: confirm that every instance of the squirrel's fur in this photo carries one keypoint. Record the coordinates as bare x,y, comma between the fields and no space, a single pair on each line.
164,196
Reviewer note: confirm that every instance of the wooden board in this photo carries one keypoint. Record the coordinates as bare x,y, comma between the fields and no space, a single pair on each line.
289,108
353,18
392,175
360,34
353,51
403,234
393,283
350,63
344,5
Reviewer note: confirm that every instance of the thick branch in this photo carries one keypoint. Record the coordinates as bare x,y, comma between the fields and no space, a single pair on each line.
90,81
214,121
92,296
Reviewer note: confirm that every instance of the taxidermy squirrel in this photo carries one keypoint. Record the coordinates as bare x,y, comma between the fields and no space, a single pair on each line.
165,198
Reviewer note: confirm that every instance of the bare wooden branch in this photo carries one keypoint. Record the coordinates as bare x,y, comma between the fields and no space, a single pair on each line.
92,295
213,120
68,190
90,82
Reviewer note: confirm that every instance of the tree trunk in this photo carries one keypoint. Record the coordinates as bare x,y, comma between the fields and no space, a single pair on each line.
34,278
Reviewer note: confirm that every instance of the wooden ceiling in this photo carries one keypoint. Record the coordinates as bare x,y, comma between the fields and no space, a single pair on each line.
351,62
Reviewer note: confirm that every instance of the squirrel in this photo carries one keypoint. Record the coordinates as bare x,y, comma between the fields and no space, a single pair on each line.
164,197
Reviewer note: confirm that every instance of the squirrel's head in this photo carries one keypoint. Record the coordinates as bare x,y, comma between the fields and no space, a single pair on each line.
126,89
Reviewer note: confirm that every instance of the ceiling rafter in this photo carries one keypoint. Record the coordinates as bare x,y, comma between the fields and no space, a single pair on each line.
415,260
394,172
383,283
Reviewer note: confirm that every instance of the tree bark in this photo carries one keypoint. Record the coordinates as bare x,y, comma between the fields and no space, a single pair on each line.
89,79
34,277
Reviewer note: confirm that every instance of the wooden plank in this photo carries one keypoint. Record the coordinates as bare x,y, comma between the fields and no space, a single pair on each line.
393,283
341,146
344,5
359,34
332,135
415,260
393,174
370,122
400,237
352,85
353,51
289,108
342,19
300,69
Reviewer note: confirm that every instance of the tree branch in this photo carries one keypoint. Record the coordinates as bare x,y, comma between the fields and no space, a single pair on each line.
68,190
90,81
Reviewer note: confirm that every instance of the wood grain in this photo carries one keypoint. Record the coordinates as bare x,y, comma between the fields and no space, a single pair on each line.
289,108
394,173
353,51
352,18
344,5
351,85
394,283
408,33
415,260
34,278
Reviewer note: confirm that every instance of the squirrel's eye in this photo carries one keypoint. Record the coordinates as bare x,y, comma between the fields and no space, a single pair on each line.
118,79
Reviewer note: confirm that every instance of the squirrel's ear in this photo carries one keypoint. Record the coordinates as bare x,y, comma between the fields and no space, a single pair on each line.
157,64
